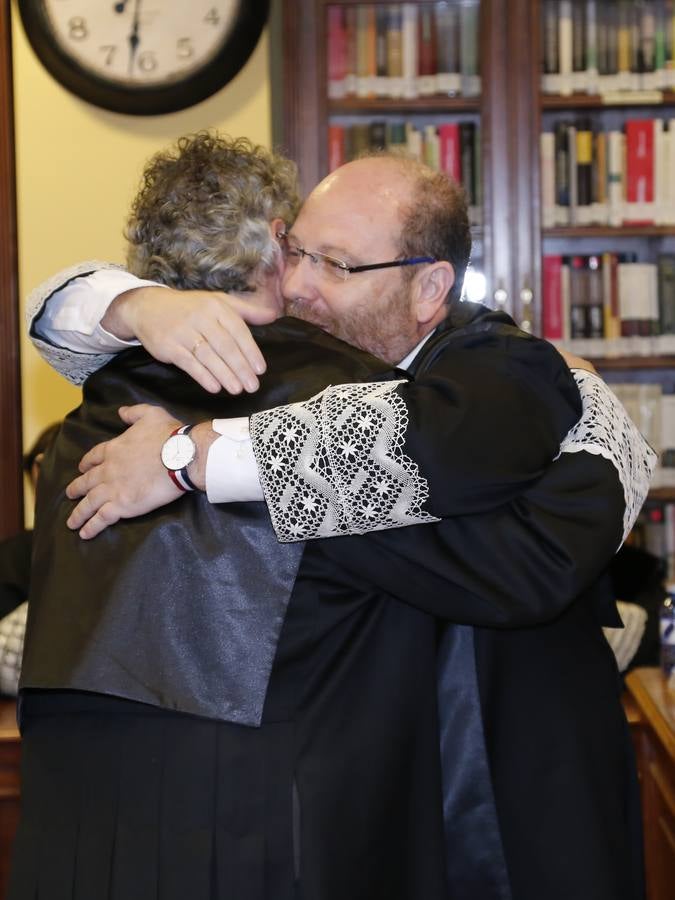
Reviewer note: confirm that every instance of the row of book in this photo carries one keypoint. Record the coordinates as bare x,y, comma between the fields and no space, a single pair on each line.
607,46
615,178
653,411
608,297
403,50
451,147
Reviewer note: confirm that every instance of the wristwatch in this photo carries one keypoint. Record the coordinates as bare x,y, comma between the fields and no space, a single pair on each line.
178,451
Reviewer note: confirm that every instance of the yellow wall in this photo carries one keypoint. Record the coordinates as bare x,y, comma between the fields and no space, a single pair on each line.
78,167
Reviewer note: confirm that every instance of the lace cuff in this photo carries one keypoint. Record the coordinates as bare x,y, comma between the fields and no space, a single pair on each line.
12,631
76,367
334,464
605,429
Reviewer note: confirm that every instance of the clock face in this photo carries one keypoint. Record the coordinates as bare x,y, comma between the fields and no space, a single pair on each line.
143,56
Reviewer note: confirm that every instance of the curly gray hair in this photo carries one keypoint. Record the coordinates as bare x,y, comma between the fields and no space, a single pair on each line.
201,218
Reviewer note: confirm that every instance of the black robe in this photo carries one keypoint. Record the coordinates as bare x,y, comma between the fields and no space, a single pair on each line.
337,794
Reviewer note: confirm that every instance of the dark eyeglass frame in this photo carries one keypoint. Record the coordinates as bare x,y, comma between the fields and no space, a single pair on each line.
340,265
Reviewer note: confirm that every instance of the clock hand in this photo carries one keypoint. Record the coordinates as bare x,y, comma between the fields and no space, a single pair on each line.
134,39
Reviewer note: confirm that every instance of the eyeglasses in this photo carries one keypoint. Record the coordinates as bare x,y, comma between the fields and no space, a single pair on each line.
337,269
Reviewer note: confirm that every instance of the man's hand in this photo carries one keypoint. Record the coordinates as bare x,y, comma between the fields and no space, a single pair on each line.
124,477
204,333
577,362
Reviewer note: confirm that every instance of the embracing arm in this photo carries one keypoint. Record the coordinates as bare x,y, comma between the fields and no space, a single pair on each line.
81,317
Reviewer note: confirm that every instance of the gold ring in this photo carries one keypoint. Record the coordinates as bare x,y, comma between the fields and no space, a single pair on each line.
196,345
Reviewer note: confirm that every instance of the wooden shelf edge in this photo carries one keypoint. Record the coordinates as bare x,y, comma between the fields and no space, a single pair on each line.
595,101
633,362
360,105
663,495
570,231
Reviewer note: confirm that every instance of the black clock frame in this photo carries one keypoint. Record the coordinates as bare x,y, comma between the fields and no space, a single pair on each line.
146,101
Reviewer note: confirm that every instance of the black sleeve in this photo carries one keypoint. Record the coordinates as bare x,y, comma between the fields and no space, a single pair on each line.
486,418
519,565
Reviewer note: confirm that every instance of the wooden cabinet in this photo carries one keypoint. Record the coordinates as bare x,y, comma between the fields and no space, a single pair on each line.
654,738
9,786
512,111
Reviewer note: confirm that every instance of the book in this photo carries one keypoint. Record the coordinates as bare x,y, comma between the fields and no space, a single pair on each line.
584,171
449,152
547,165
448,78
395,51
426,51
552,306
409,13
337,52
639,172
666,290
468,47
565,47
336,147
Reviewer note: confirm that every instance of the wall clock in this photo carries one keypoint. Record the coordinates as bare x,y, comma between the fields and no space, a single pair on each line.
143,57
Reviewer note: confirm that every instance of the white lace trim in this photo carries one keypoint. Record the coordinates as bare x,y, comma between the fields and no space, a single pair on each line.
605,429
12,631
334,464
76,367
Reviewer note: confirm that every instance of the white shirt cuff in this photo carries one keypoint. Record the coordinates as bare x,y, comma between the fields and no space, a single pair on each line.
72,315
231,467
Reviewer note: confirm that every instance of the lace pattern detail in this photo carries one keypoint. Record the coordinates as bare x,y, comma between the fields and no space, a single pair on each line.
12,631
334,464
605,429
76,367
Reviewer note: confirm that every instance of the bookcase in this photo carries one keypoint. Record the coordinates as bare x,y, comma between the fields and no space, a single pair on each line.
594,75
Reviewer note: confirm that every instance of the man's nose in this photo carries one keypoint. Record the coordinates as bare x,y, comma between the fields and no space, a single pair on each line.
301,280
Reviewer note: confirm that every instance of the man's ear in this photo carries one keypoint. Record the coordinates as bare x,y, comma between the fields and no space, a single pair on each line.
277,225
431,288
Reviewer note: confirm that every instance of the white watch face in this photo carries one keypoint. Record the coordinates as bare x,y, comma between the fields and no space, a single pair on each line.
142,43
178,451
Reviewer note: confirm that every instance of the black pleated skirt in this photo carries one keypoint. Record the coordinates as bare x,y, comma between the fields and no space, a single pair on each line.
122,801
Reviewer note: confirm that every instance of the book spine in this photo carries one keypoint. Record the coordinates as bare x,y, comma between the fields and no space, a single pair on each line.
377,135
552,312
562,175
666,291
426,51
615,177
639,171
565,44
547,154
395,51
450,156
467,138
591,46
600,208
337,52
351,30
448,78
336,147
551,61
595,311
409,41
578,298
381,52
584,171
578,45
468,48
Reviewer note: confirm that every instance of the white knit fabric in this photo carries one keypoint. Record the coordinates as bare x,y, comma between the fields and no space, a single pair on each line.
12,630
334,464
625,641
605,429
76,367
